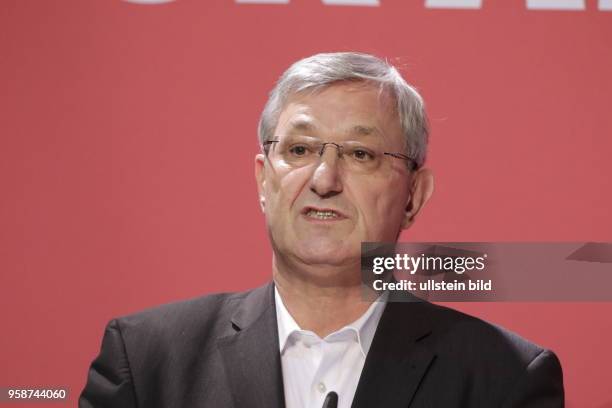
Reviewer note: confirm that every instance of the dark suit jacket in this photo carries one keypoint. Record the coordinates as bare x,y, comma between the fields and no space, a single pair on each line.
222,351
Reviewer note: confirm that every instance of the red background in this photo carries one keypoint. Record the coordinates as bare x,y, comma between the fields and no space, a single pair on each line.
128,134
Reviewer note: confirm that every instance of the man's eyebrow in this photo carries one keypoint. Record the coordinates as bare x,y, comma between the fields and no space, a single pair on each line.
361,130
307,126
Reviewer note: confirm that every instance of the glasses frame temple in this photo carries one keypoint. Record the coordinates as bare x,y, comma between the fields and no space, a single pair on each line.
265,146
402,156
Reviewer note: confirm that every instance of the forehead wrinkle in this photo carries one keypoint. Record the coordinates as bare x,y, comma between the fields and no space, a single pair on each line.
301,123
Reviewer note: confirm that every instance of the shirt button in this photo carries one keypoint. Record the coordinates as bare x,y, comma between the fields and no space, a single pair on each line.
321,387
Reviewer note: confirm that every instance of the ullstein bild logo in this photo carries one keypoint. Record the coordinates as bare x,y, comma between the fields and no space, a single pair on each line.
577,5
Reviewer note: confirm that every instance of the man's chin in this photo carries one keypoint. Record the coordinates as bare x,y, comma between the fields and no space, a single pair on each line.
321,251
331,255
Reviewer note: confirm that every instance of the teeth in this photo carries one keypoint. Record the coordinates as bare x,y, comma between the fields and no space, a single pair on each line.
322,215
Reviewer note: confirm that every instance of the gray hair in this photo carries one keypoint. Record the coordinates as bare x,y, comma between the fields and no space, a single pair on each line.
321,70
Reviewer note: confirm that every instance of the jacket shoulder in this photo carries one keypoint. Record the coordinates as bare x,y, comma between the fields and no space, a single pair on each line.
490,358
474,336
185,323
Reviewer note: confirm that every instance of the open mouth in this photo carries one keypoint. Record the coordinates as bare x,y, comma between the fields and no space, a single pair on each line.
322,213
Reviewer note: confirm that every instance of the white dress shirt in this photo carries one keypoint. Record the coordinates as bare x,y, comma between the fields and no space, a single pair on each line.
312,366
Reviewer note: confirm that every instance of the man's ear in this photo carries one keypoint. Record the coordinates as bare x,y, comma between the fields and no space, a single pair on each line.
420,192
260,169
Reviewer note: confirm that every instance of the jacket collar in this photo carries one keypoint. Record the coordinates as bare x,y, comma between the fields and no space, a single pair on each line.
398,359
251,355
393,370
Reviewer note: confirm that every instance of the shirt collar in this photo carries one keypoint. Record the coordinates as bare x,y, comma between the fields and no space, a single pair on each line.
364,326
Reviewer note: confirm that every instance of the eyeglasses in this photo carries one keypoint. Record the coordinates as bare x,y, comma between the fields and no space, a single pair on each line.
358,157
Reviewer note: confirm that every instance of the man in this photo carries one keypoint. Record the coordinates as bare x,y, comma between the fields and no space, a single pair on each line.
343,141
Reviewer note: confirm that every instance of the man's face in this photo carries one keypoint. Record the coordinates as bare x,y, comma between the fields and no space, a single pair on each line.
318,213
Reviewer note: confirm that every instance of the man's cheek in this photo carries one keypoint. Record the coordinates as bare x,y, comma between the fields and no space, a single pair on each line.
290,191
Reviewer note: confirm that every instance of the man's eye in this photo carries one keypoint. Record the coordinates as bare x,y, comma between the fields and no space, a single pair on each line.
298,150
362,155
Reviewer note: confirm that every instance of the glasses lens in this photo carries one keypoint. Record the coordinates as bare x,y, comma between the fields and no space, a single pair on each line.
356,157
299,152
361,158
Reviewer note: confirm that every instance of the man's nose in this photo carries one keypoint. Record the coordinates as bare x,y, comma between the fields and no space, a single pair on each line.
326,179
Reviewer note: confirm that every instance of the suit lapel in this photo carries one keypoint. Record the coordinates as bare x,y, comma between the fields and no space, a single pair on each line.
251,355
397,361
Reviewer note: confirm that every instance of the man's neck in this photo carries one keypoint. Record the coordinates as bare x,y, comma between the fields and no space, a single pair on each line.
321,307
